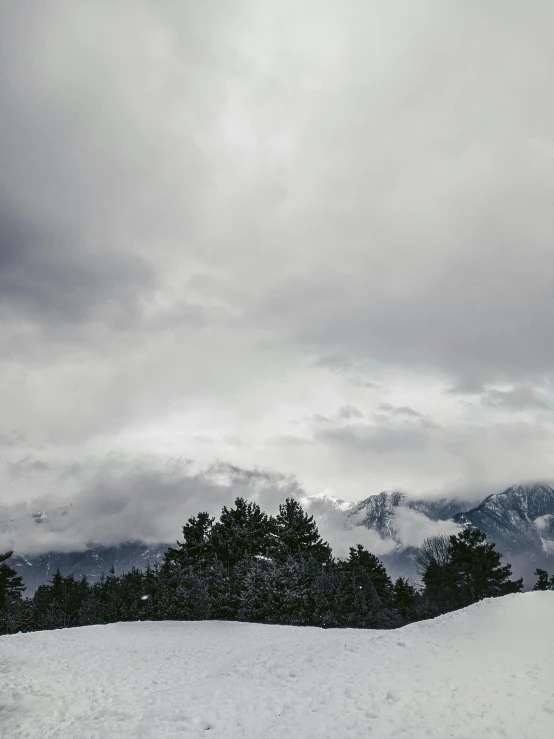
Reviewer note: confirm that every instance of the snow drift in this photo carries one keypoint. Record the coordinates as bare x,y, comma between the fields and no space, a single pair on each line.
485,671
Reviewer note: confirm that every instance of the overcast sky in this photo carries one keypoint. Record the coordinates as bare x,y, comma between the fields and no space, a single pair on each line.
312,238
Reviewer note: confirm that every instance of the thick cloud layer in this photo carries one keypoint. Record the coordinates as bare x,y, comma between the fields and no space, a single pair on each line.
313,237
120,500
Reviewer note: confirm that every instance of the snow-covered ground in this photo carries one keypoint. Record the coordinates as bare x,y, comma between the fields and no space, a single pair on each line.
486,671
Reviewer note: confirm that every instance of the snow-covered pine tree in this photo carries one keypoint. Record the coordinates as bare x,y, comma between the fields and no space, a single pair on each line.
241,533
298,534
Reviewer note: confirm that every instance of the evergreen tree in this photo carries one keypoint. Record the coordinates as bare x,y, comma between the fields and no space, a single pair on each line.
326,597
196,547
182,595
359,604
11,584
405,599
108,600
223,588
289,600
242,532
472,571
440,588
360,558
543,581
58,604
15,613
476,565
258,586
92,609
130,589
298,534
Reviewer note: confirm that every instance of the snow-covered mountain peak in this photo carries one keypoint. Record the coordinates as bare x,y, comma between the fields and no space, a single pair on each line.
530,501
378,512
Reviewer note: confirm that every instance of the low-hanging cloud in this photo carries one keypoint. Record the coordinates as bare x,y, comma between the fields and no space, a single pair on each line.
121,500
414,527
341,532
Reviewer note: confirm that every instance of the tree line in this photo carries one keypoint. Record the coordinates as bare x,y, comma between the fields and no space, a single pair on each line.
249,566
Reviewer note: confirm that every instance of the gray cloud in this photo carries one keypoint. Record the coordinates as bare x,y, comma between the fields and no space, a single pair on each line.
410,431
121,499
413,527
132,158
520,397
341,534
26,466
56,277
403,410
349,411
11,438
376,437
209,226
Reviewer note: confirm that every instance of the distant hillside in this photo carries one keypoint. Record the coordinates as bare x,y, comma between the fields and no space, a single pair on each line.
90,563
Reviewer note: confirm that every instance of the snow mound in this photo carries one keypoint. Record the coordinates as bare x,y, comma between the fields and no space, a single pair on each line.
485,671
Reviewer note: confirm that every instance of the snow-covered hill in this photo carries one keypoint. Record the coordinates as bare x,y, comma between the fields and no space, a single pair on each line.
485,671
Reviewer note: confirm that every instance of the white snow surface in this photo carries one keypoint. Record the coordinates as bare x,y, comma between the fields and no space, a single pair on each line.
485,671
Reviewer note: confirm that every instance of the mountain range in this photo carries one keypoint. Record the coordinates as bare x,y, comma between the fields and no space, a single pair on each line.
519,520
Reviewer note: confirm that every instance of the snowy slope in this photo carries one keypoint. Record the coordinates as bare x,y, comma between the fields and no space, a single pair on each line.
485,671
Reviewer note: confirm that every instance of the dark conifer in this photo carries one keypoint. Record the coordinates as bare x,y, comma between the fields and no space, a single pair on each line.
471,571
196,548
298,534
543,581
58,604
11,584
257,590
360,558
241,533
477,570
404,599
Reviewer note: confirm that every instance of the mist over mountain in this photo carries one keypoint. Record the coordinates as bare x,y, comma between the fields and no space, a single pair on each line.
519,520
